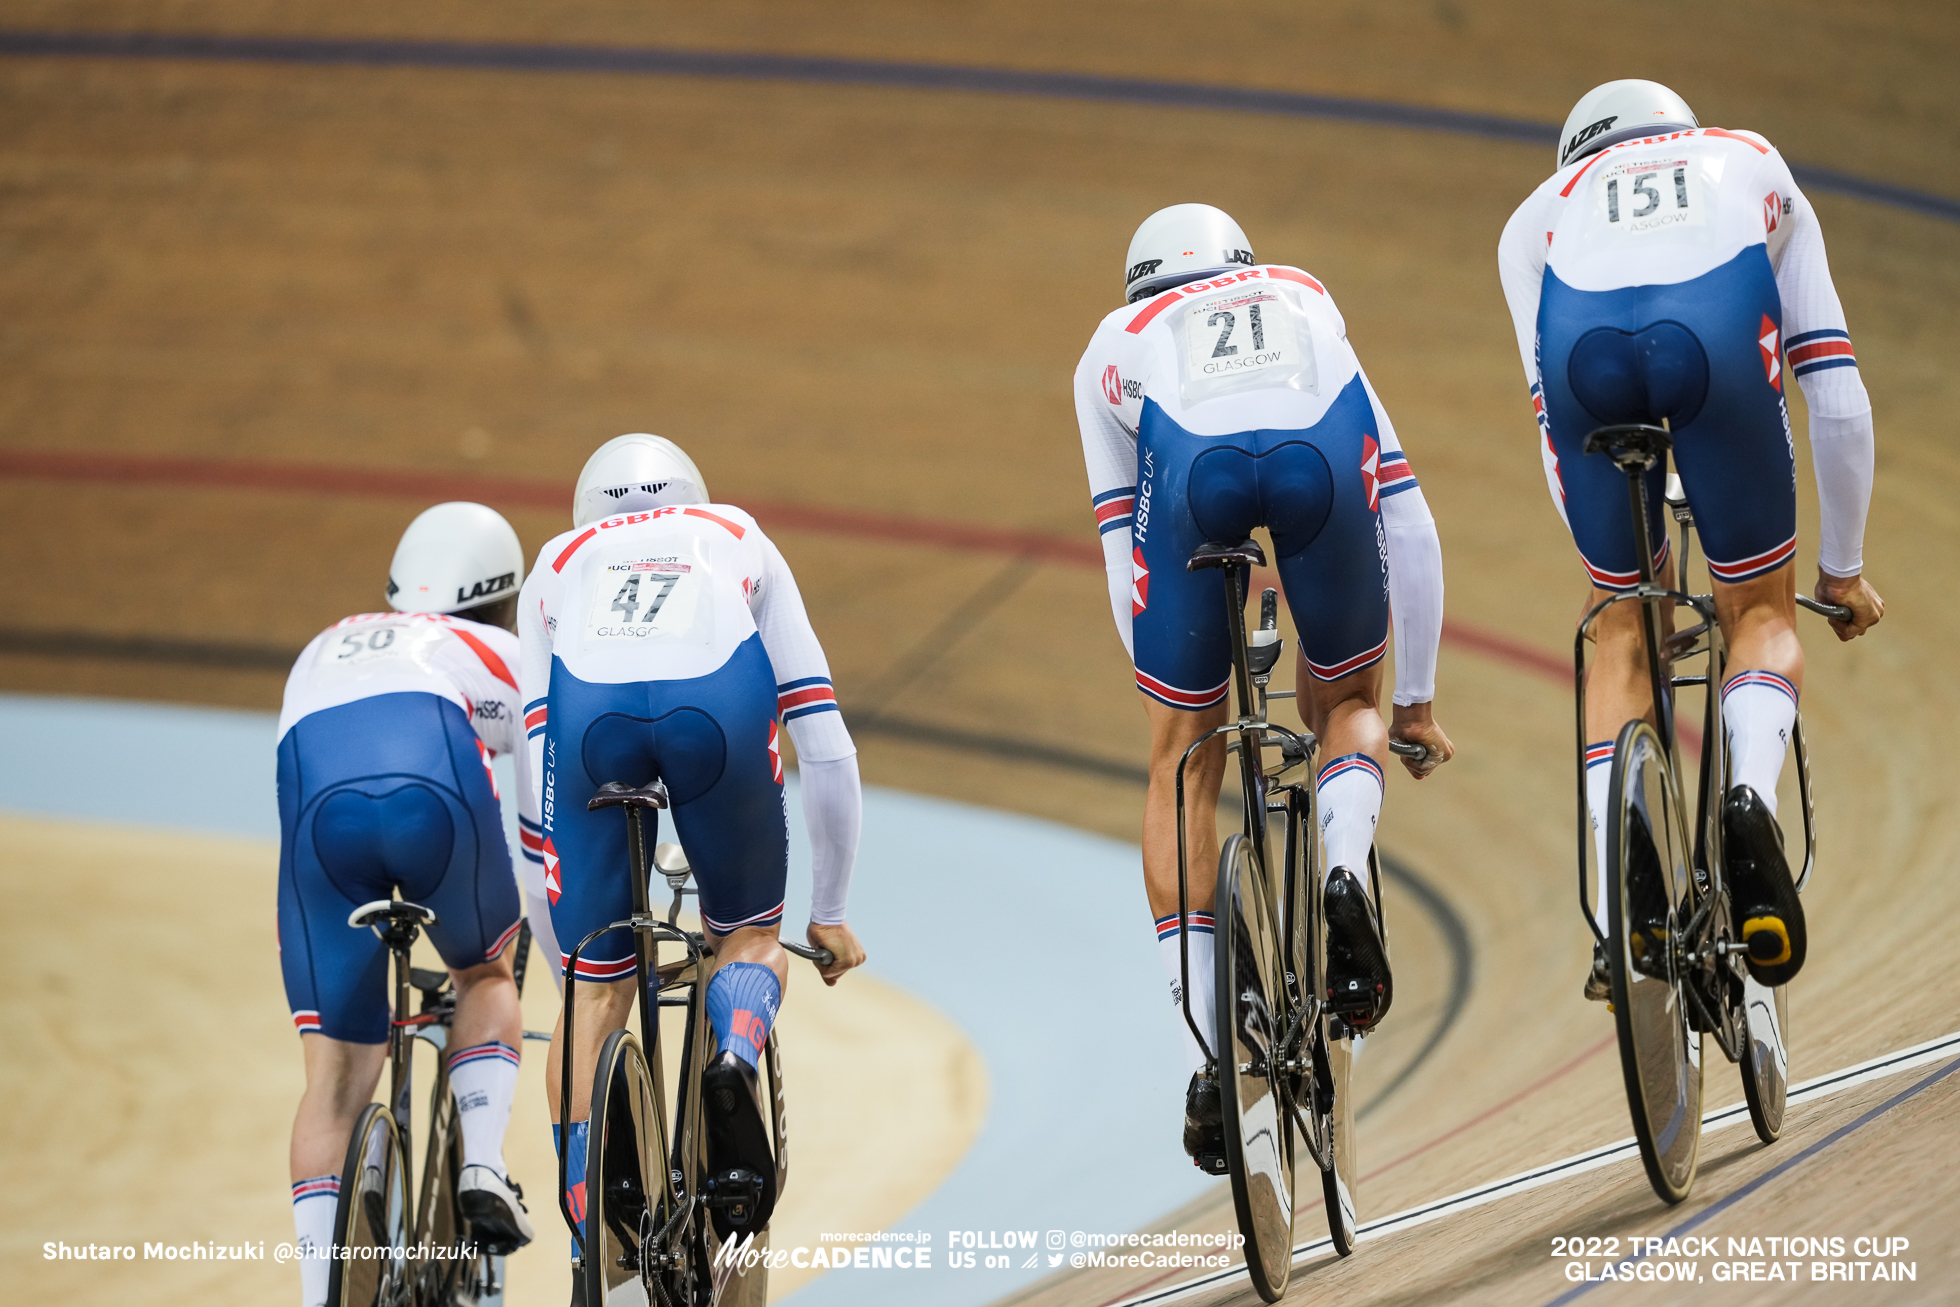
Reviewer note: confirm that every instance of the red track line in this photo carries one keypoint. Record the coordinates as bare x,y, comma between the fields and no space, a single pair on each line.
514,492
1556,1073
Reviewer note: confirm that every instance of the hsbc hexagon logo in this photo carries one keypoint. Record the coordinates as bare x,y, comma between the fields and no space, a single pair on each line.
553,885
1371,466
1767,341
1112,385
1139,583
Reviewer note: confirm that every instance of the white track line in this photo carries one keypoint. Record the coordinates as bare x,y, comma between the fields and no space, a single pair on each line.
1809,1091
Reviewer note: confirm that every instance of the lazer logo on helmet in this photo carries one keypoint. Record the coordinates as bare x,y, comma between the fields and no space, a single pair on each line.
1143,269
1585,134
1239,256
485,588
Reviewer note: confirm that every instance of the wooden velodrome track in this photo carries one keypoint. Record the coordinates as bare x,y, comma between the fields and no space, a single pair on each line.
862,304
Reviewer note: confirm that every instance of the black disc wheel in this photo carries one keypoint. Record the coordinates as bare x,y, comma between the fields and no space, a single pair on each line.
1766,1057
372,1219
1649,900
625,1180
1251,1011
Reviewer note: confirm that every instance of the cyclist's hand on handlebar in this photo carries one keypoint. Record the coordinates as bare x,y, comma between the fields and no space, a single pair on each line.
1416,724
845,951
1855,593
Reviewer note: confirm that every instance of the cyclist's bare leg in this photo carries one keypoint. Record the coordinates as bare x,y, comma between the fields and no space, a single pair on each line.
1759,621
1171,732
340,1081
602,1009
1618,687
486,1006
752,944
1344,714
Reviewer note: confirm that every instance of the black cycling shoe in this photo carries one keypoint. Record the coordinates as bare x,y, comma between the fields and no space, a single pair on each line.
1204,1127
738,1140
1768,914
1359,986
1599,983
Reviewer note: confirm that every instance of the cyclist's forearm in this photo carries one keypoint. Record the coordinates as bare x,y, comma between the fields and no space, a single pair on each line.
833,809
1842,451
1415,584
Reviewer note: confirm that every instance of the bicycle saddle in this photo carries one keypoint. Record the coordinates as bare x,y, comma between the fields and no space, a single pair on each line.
403,912
1631,445
618,794
1216,553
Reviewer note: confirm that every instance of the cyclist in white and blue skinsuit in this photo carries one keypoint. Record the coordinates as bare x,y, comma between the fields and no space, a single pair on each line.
1669,272
385,739
663,636
1224,397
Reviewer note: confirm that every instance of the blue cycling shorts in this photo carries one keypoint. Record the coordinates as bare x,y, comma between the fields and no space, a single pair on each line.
392,792
713,740
1314,489
1704,354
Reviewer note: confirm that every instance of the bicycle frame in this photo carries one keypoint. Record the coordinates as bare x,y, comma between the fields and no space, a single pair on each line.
1708,885
1252,728
648,931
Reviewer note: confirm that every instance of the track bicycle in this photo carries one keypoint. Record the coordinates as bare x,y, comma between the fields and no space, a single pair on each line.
1676,965
649,1195
1283,1045
375,1222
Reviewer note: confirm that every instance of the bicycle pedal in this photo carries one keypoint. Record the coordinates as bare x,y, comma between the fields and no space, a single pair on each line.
735,1191
1211,1163
1353,997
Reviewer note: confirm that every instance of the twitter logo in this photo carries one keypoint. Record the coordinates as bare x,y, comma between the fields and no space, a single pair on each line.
1054,1259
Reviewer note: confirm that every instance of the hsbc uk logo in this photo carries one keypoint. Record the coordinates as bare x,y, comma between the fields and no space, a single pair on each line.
1116,389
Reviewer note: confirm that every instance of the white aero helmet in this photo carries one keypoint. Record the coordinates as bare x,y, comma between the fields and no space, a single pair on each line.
1180,244
1620,111
452,557
635,473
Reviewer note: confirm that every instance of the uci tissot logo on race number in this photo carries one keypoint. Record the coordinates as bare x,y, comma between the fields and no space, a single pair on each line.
643,598
1644,195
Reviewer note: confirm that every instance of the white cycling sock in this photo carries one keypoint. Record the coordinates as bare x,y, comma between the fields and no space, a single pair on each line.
314,1204
1350,789
484,1080
1599,780
1758,711
1203,986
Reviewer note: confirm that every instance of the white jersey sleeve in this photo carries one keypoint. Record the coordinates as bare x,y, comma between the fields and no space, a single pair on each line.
1521,269
1817,349
826,758
536,623
1415,564
1108,400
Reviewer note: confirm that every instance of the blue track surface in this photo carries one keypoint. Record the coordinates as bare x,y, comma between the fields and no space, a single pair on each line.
1031,937
655,62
